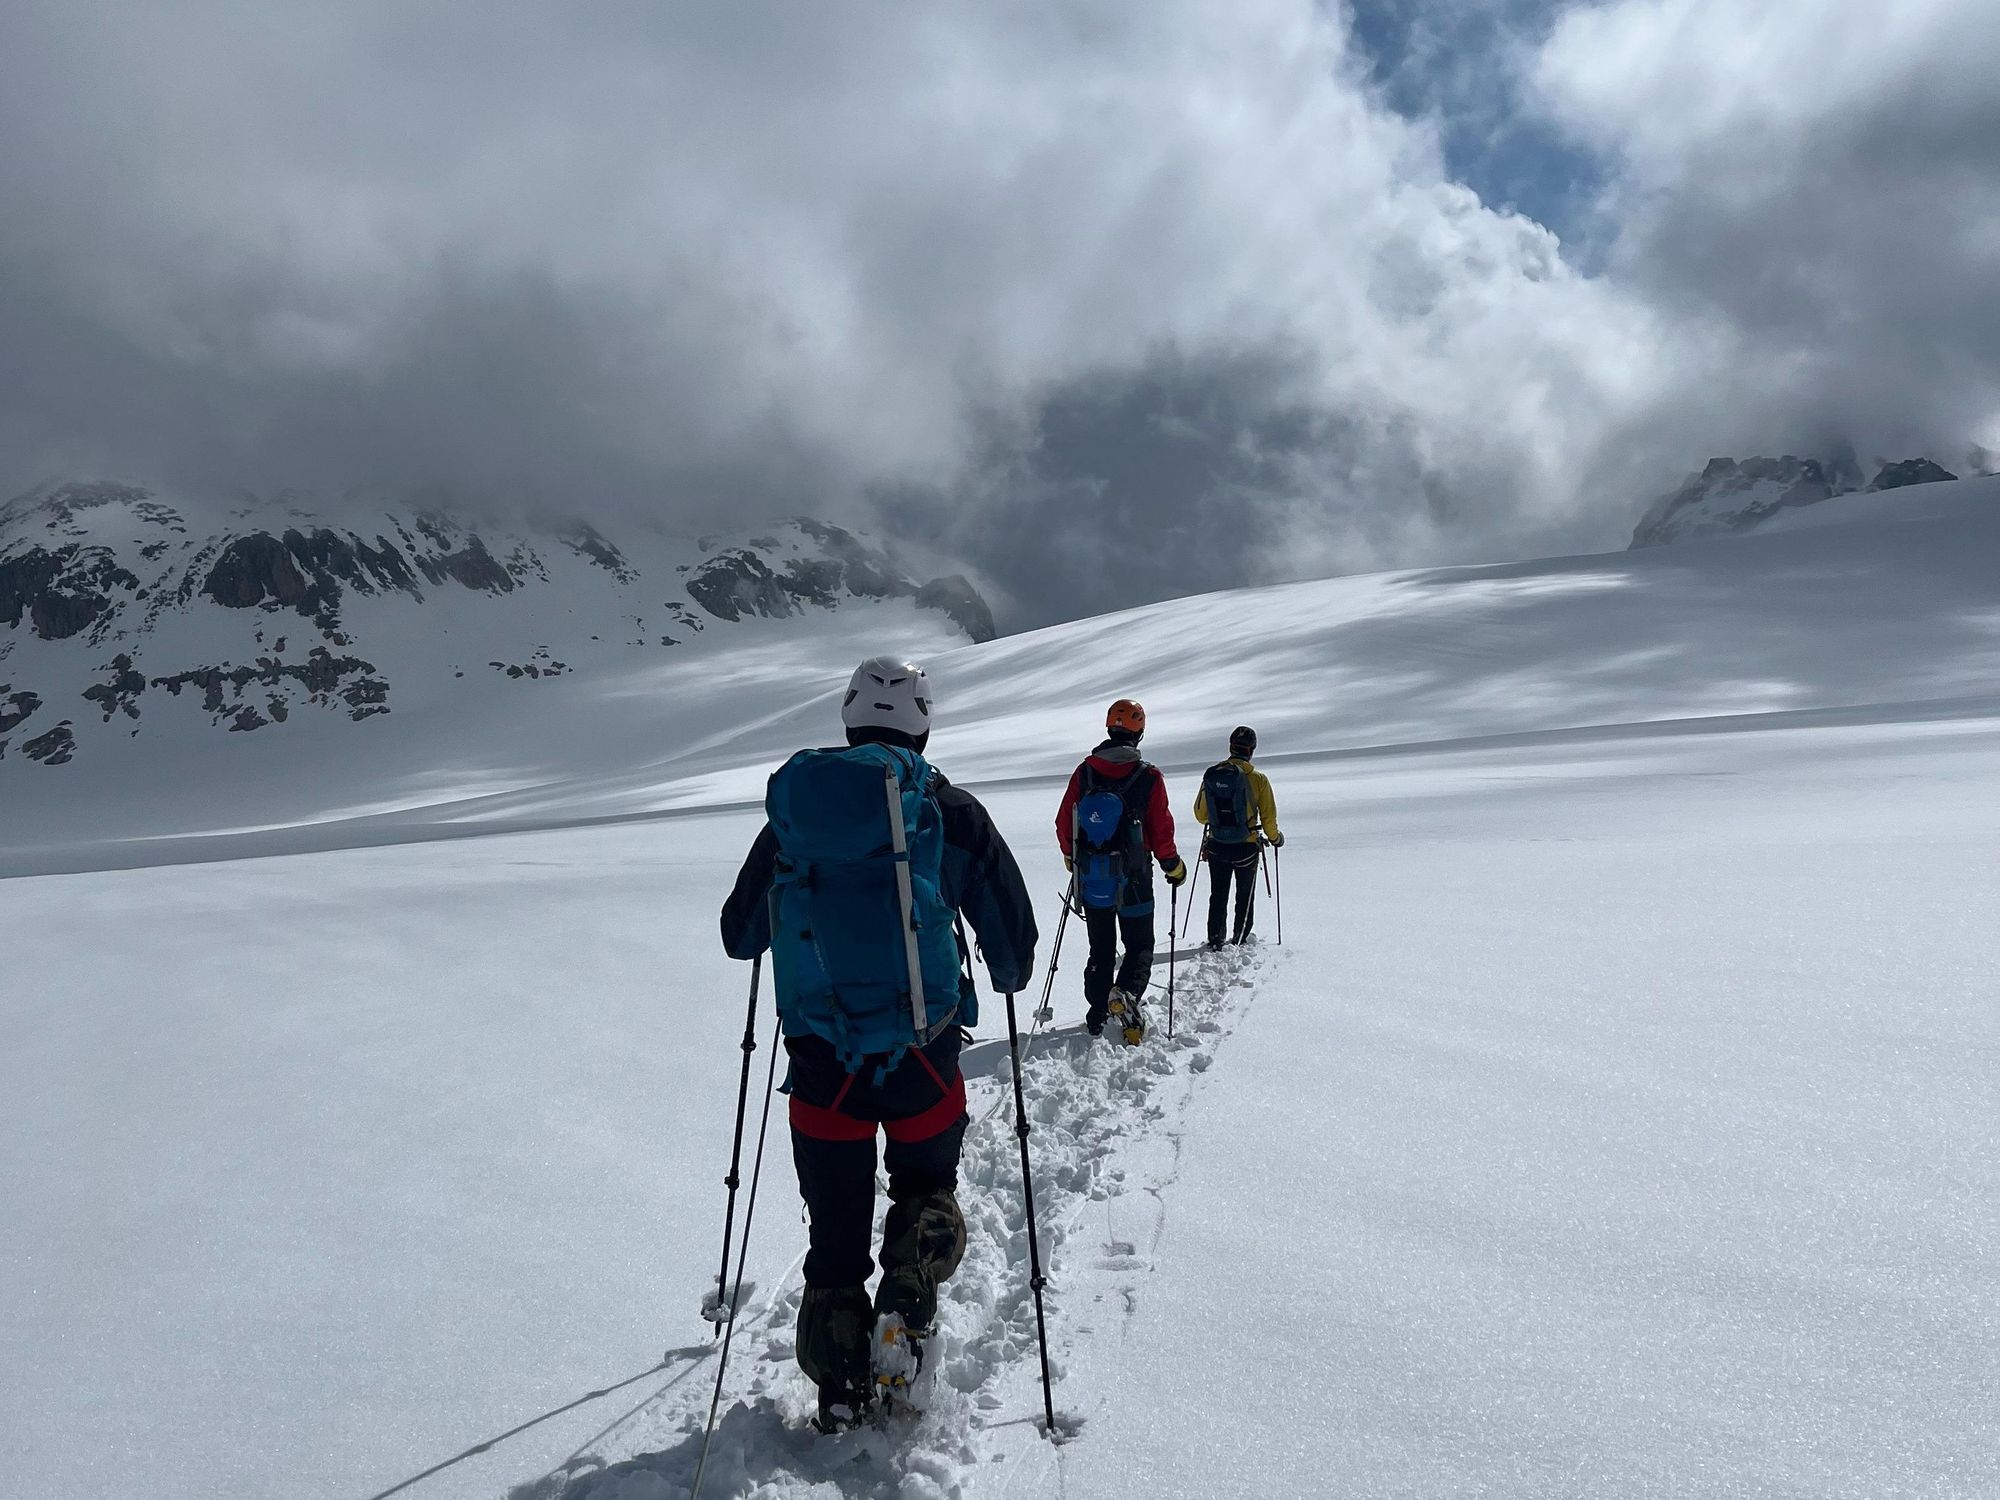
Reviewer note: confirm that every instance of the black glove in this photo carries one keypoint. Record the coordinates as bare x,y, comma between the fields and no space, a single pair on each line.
1175,871
1277,841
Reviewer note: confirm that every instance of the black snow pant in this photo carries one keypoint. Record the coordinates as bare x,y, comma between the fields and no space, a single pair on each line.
1227,863
920,1106
1105,968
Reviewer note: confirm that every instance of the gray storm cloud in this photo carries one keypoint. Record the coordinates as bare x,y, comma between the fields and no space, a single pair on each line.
1056,285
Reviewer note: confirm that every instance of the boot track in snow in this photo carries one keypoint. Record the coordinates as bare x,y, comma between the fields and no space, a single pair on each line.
1106,1142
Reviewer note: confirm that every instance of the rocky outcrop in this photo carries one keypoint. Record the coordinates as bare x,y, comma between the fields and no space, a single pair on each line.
199,605
329,680
119,693
16,708
1729,496
957,600
736,583
585,542
470,565
825,566
1910,471
63,591
56,748
540,664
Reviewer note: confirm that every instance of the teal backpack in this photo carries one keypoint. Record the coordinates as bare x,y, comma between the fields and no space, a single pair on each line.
864,948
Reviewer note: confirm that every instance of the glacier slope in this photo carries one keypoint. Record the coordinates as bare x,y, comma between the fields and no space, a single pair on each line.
1617,1117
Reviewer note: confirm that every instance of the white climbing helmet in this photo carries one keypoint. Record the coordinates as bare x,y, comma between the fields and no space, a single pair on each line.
887,692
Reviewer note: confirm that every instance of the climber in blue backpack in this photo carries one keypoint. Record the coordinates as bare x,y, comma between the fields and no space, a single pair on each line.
1114,820
868,859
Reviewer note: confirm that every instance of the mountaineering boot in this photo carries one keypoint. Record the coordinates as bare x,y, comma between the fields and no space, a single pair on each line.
1130,1016
923,1240
842,1413
898,1359
834,1328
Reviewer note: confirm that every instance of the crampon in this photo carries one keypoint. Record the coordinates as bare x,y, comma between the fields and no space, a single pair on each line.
898,1359
1129,1016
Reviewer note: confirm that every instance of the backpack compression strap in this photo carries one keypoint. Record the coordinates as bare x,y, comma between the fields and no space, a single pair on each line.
899,841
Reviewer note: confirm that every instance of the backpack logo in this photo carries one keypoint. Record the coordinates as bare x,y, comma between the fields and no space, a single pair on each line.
1105,832
863,950
1226,790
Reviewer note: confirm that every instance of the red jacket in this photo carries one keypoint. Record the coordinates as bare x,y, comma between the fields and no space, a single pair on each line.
1115,763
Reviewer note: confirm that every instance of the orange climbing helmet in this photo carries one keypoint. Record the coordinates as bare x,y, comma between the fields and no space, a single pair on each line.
1126,715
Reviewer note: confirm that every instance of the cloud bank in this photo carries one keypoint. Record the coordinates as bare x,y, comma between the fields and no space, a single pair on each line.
1120,301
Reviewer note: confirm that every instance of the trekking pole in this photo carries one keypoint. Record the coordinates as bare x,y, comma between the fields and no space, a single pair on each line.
714,1312
1201,863
1278,900
1035,1282
1055,954
1262,848
1173,953
742,1256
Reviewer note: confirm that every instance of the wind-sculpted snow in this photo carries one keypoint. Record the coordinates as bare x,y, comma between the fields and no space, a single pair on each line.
1105,1121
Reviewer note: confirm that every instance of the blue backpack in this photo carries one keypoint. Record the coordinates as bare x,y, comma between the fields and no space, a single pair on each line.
864,951
1226,790
1108,833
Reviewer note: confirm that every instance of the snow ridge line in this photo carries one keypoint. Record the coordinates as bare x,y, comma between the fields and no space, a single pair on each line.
1104,1141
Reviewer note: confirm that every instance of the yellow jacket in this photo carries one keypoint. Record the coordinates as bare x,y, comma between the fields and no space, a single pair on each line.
1263,806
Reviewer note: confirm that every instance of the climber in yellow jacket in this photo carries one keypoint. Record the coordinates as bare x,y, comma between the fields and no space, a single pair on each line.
1236,807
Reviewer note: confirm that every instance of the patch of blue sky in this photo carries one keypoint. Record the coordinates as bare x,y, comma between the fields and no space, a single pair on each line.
1459,64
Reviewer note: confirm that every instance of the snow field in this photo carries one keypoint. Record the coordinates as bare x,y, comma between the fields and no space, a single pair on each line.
1102,1118
1619,1119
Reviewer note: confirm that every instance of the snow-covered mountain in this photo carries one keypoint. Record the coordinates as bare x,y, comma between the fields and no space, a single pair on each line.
1615,1119
119,608
1731,495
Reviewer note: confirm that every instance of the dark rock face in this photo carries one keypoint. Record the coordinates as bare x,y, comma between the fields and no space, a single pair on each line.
958,601
1910,471
253,569
471,565
1731,496
56,748
585,542
736,583
63,575
120,694
864,571
541,664
1728,496
329,680
307,572
16,708
61,592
